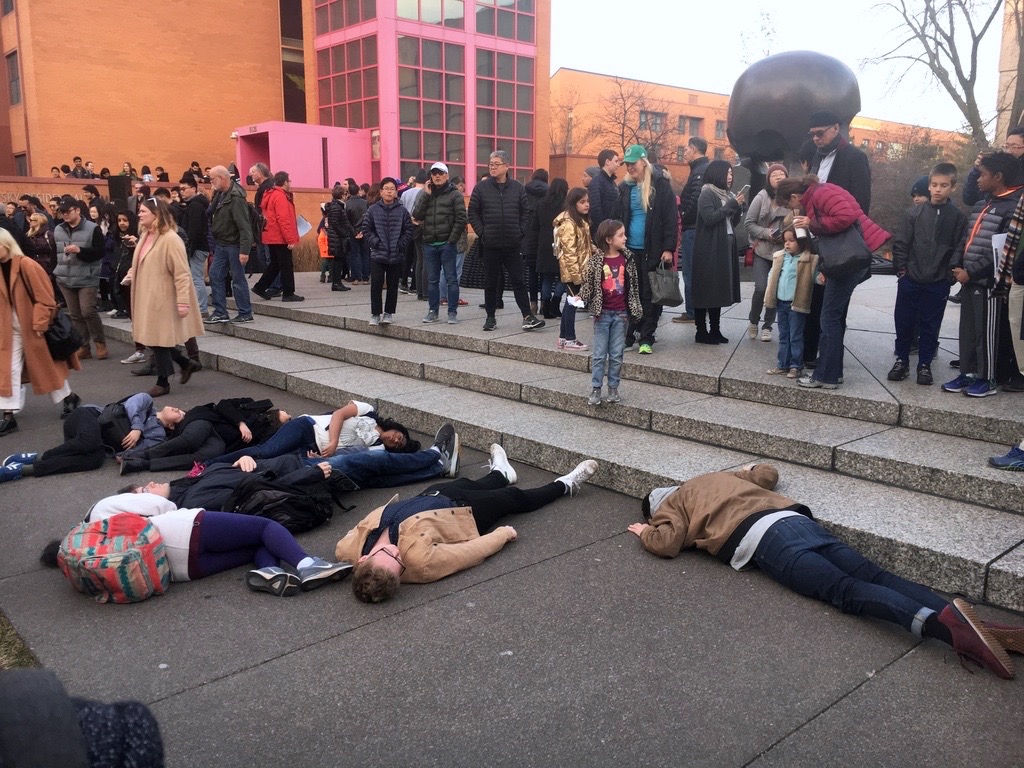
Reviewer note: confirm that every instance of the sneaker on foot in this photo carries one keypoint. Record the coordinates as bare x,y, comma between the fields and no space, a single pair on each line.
531,322
959,384
981,388
447,443
386,318
683,318
499,463
1013,461
215,318
972,640
613,395
924,374
583,472
595,397
775,371
490,324
135,357
322,572
374,319
560,343
794,373
241,319
19,458
292,297
645,349
272,579
899,371
10,472
752,331
431,317
575,345
453,319
766,334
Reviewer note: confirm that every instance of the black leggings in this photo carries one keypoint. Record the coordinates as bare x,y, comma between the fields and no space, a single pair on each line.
82,450
714,314
492,498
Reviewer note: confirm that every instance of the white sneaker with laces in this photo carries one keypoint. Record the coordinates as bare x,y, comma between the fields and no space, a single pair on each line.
583,472
766,334
135,357
499,462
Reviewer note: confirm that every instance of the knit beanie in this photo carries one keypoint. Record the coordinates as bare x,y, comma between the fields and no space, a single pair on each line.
593,171
920,187
777,167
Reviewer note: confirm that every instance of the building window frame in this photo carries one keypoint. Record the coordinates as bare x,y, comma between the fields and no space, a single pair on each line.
13,78
6,7
653,121
720,129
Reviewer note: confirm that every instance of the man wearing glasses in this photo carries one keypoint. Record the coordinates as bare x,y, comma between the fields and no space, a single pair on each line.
1014,144
837,161
446,529
499,214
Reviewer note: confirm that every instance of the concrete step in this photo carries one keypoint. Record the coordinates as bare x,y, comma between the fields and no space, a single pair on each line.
948,544
945,466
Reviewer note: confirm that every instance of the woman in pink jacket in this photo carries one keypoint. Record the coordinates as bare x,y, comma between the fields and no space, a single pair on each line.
828,209
280,235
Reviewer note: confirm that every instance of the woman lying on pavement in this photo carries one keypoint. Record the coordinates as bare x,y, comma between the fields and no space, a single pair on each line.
446,529
354,424
200,543
738,518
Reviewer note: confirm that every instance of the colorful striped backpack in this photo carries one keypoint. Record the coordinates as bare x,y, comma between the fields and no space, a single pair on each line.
120,559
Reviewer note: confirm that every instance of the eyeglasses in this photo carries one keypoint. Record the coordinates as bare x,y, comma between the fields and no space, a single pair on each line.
819,133
496,165
394,557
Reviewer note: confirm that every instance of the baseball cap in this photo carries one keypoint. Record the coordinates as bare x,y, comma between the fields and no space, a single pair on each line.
439,167
634,153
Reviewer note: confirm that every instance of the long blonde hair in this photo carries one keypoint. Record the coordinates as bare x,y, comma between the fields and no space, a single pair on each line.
38,223
646,183
7,241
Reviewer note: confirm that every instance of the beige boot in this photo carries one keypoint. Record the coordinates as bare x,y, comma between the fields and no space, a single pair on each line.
84,353
101,351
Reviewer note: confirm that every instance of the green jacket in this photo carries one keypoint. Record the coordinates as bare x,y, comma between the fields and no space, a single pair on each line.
443,213
230,221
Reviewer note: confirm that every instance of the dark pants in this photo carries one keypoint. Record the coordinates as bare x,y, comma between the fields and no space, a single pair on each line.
227,541
919,305
280,264
294,435
492,498
339,265
494,261
835,304
812,328
379,273
82,450
647,326
165,357
979,326
197,441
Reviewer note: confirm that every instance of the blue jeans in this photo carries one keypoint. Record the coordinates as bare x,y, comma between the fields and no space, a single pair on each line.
838,291
460,259
434,258
294,435
197,266
686,266
383,469
610,343
791,335
549,286
804,557
226,257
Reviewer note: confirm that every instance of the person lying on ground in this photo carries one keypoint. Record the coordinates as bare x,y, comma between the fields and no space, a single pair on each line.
207,431
200,543
356,423
738,518
84,448
447,528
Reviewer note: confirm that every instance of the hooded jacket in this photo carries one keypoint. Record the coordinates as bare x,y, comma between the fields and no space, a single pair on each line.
713,512
691,192
989,217
535,192
229,224
574,248
832,210
281,227
443,213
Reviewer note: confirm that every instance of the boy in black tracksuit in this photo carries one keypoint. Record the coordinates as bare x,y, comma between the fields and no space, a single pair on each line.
921,252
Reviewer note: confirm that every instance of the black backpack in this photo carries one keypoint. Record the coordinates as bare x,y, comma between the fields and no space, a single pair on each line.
114,424
257,221
297,508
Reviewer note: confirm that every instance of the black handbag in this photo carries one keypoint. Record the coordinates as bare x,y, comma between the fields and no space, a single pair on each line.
844,253
61,337
665,286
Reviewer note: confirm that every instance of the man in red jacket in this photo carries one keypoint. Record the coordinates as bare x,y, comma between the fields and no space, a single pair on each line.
738,518
280,235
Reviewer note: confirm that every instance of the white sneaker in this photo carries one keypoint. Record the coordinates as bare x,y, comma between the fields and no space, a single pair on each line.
752,331
766,335
499,462
111,313
583,472
135,357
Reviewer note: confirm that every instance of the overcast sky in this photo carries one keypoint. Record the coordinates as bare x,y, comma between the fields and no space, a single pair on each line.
707,46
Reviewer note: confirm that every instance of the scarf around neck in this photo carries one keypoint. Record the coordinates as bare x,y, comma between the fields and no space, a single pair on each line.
722,194
832,146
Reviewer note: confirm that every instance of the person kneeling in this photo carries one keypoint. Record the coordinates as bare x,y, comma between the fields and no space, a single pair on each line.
406,541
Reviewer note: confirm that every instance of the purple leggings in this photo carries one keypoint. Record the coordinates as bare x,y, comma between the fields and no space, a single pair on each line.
228,540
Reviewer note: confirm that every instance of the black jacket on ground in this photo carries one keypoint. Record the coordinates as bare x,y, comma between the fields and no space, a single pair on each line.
499,214
691,192
443,213
850,170
212,489
662,226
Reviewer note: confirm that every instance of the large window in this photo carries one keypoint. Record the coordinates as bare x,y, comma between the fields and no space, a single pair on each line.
7,7
719,129
13,78
505,109
448,13
653,121
510,19
347,84
21,165
431,104
329,15
691,126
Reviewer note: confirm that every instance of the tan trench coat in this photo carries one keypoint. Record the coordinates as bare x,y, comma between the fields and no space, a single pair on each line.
45,373
160,281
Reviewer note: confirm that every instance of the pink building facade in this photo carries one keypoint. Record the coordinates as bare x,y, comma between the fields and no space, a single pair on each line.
315,156
430,80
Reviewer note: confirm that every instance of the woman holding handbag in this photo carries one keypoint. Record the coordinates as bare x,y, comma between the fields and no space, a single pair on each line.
573,249
716,275
764,229
27,307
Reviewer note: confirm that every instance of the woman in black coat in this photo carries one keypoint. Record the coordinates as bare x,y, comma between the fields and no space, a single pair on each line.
550,206
716,276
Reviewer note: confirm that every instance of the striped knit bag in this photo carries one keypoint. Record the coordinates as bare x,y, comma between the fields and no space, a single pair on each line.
120,559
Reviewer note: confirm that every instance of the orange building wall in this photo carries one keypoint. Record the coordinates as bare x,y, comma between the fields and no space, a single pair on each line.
542,117
159,85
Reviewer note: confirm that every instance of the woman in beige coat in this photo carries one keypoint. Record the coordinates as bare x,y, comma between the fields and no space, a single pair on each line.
165,311
22,346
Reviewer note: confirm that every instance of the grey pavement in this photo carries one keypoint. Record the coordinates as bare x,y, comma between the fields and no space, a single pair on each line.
570,647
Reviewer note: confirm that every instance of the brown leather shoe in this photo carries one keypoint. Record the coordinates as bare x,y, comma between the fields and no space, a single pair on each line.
157,391
1010,637
187,370
101,351
84,353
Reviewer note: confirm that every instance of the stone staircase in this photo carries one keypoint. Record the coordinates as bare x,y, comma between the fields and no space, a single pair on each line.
897,470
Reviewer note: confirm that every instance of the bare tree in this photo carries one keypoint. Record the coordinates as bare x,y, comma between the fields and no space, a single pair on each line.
568,132
944,37
757,44
634,115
